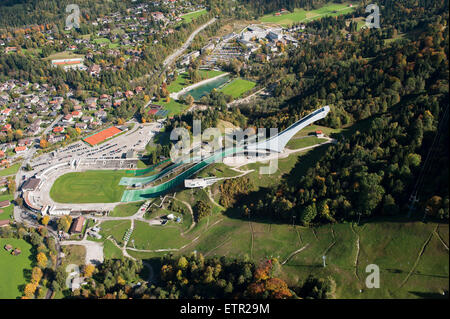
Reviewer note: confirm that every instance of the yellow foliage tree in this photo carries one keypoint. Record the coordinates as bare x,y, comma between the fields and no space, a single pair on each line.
42,260
120,281
30,289
45,220
89,270
43,143
36,275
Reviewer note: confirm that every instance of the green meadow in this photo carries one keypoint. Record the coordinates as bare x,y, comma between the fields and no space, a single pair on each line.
14,270
237,87
302,15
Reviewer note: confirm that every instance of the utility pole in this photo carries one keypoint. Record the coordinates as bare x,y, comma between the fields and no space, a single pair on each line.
293,221
323,258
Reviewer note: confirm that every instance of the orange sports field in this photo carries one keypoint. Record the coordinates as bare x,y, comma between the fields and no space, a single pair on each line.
102,135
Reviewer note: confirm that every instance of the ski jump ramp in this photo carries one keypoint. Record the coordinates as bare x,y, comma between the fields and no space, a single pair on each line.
275,143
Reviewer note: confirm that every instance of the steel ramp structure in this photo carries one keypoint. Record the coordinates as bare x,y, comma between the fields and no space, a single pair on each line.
276,143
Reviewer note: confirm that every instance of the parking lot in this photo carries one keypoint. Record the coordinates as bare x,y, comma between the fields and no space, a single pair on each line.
136,139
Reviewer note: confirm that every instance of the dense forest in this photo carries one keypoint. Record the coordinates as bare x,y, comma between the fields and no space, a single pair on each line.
198,277
16,13
398,96
390,96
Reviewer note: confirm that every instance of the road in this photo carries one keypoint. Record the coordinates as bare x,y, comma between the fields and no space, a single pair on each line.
48,129
171,58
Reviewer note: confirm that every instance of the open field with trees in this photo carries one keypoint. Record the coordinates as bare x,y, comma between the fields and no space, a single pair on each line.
14,270
172,106
115,229
64,55
188,17
396,252
7,211
302,15
12,170
405,273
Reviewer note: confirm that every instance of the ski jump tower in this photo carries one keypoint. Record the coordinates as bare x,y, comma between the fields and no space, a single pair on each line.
278,142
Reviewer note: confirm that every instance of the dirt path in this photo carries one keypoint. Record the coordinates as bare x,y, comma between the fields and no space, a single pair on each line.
211,198
245,99
190,212
357,250
294,253
122,249
251,247
440,238
220,245
332,244
419,255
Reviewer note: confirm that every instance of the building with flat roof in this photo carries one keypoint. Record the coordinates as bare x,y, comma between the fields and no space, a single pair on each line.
31,184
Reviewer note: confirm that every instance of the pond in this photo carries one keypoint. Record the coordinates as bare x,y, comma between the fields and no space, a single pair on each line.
206,88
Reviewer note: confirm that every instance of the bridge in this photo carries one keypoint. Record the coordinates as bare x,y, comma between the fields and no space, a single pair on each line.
276,143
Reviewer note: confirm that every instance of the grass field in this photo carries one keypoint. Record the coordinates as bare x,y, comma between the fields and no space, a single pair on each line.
63,55
7,211
237,87
304,142
12,170
172,106
101,186
193,15
111,45
310,129
101,40
115,228
124,210
14,270
156,237
110,251
301,15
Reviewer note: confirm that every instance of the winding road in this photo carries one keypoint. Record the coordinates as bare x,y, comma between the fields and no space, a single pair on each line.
171,58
